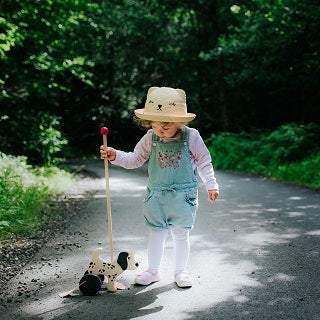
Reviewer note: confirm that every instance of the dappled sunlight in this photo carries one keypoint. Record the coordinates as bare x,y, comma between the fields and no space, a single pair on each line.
215,270
237,262
126,238
295,214
119,184
295,198
97,196
128,185
252,212
313,233
251,256
260,238
273,210
202,243
216,281
120,187
290,235
282,277
245,179
258,205
264,239
224,274
241,220
310,206
276,301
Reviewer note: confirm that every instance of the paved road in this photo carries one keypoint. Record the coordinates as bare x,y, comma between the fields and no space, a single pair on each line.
254,255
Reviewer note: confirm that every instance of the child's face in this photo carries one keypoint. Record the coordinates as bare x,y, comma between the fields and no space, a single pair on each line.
164,130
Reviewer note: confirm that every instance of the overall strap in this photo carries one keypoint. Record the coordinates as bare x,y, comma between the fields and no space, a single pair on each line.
185,134
155,137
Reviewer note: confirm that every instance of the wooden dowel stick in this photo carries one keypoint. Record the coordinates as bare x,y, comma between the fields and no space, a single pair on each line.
106,172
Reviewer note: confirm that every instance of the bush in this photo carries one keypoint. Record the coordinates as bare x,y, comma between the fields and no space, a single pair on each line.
280,153
46,139
289,142
25,194
39,138
305,172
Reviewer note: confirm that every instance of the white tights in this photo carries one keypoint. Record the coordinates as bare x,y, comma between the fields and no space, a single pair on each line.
181,245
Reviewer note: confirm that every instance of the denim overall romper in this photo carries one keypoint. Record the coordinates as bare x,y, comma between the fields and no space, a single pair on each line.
172,194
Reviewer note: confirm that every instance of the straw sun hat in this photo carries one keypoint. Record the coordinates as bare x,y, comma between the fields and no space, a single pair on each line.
165,105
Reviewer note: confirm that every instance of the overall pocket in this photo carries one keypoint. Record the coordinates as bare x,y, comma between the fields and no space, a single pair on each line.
192,197
148,196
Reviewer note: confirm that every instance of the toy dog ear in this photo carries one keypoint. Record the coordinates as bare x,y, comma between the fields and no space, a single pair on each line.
122,260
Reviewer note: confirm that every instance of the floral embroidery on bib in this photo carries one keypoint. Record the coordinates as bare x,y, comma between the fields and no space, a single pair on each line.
169,159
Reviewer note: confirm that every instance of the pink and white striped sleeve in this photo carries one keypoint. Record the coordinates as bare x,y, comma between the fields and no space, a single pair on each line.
201,159
140,154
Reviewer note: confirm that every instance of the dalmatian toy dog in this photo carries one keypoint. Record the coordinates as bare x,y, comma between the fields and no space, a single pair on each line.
98,269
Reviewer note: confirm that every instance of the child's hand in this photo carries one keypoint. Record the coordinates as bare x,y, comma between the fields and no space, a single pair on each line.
107,153
213,195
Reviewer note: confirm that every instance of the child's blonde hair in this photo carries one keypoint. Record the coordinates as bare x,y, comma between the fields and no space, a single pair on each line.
148,123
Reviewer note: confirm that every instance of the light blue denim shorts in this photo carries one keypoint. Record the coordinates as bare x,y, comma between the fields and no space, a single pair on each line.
164,208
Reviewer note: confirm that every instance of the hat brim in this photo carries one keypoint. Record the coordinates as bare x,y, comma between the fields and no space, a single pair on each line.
155,116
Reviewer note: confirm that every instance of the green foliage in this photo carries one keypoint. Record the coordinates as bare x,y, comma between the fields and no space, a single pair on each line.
267,62
39,136
90,63
290,152
47,59
9,38
46,139
305,172
290,142
26,194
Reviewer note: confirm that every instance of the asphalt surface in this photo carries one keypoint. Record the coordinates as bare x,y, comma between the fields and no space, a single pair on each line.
255,254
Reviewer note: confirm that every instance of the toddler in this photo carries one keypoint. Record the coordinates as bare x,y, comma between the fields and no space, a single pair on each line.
174,152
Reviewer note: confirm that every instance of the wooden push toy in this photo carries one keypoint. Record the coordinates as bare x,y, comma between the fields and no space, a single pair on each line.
100,271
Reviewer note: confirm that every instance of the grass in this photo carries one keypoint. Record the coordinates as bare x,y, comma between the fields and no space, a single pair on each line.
305,172
26,195
289,153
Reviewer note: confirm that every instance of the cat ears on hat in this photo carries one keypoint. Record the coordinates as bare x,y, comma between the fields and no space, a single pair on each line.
179,91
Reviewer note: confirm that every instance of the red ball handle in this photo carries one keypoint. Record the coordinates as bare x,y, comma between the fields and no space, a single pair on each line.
104,130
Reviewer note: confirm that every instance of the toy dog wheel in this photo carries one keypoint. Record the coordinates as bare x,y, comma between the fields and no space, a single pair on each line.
90,284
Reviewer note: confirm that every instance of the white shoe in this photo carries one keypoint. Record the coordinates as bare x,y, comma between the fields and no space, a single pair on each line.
183,280
146,278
